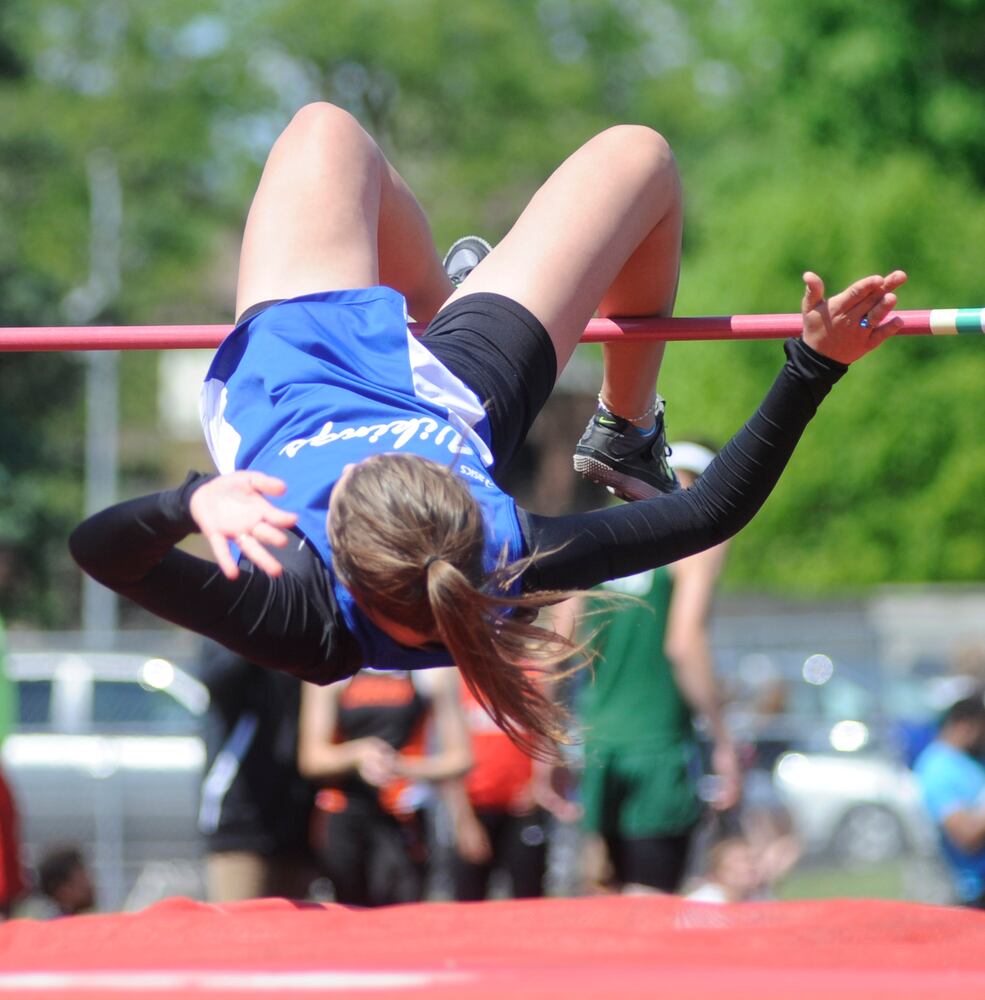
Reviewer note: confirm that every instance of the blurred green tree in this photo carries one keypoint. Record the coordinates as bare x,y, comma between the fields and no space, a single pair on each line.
159,90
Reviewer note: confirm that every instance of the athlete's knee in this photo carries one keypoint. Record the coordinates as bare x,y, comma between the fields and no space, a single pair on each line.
327,125
640,148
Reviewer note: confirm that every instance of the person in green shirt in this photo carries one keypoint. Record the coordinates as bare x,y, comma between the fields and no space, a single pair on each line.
653,674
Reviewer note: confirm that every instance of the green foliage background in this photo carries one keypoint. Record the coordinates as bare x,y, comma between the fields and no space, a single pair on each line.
840,135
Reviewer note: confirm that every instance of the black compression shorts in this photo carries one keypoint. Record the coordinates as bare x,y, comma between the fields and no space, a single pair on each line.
502,352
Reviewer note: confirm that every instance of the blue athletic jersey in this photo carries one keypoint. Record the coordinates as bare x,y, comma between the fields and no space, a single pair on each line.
951,781
313,383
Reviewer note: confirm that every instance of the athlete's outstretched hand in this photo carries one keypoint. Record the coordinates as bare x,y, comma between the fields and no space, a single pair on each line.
235,507
850,324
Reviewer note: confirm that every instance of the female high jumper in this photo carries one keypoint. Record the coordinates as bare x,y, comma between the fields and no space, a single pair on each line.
398,548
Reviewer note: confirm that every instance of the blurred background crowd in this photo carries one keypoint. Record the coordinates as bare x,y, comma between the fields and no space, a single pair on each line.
849,617
137,777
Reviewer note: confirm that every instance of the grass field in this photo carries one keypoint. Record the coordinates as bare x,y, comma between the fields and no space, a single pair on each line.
883,881
910,878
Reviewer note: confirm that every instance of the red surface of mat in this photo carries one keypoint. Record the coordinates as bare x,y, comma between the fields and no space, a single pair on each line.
611,947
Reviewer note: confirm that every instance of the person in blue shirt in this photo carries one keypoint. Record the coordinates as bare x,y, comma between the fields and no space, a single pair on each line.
952,779
398,547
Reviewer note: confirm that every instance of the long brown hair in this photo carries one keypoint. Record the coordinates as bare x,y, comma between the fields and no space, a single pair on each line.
407,540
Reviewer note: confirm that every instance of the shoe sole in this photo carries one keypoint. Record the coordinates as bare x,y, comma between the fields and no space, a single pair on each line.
486,246
623,486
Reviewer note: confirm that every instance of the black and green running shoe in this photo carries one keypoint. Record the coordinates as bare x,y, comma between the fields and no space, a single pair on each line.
462,257
615,454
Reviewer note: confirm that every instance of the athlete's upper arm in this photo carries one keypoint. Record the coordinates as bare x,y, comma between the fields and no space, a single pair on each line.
282,622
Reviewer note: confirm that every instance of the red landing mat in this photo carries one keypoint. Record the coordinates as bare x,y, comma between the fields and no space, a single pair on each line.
613,947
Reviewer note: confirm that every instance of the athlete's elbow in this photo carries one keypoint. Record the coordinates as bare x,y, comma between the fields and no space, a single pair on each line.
83,550
96,557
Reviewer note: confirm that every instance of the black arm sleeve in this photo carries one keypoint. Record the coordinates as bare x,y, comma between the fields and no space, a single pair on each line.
583,550
290,622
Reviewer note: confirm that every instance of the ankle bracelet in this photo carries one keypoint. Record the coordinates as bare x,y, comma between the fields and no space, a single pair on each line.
649,412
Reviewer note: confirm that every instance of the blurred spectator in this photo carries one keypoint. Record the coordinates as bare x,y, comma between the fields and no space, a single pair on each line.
13,883
732,874
653,671
500,811
969,662
366,740
952,779
64,884
255,807
768,828
759,713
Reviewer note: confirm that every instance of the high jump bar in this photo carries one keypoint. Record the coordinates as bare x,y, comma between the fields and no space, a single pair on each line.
767,326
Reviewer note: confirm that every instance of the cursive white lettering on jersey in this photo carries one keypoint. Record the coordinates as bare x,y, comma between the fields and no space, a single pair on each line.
402,431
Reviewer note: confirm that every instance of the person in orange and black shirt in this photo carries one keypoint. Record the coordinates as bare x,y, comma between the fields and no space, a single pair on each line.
499,812
367,740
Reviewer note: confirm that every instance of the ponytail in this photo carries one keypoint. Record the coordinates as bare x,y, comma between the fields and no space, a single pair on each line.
497,652
408,541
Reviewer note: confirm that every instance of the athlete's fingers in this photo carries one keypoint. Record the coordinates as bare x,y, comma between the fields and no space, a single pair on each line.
278,517
882,308
856,292
269,535
873,309
813,291
894,280
258,555
267,484
862,309
223,556
888,329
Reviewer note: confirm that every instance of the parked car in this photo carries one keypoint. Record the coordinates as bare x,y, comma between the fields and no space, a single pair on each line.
107,756
862,808
833,740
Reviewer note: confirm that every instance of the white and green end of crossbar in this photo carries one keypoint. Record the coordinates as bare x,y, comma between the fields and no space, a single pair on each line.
948,322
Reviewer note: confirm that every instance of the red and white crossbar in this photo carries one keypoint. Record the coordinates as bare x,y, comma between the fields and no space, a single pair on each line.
751,327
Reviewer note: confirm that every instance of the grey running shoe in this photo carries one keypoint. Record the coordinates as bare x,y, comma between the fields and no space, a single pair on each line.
462,257
613,453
